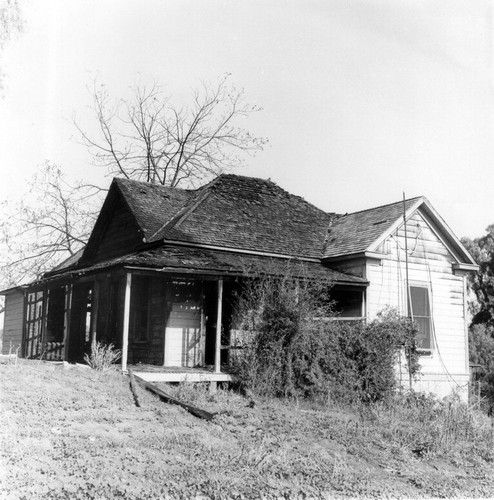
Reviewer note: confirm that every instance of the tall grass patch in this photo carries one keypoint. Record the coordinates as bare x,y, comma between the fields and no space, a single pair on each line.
429,427
102,356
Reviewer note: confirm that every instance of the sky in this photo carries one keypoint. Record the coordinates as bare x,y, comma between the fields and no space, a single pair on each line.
362,99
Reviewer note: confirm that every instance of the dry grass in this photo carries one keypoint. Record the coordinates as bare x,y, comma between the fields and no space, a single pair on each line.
76,434
102,356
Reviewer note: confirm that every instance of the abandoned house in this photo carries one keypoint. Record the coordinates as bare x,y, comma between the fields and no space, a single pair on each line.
158,277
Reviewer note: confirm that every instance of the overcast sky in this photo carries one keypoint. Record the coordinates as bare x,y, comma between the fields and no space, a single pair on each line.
363,99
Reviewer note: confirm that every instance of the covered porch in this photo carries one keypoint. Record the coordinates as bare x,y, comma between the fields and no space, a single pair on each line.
168,310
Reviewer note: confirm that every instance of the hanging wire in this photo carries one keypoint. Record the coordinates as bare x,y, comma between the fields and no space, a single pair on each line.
433,329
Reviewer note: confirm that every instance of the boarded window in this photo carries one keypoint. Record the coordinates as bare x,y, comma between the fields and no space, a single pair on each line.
421,314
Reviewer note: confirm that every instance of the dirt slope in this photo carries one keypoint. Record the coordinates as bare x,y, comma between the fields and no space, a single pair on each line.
76,434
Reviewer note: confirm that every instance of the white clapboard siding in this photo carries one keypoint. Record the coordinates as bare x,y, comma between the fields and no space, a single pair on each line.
12,329
429,263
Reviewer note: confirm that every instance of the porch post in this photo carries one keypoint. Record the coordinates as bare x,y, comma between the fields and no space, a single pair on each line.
66,321
94,312
126,322
43,323
217,353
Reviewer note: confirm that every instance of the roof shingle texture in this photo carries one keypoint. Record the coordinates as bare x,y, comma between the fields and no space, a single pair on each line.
153,204
250,214
355,232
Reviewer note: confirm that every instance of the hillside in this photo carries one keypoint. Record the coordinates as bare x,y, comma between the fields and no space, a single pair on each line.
76,434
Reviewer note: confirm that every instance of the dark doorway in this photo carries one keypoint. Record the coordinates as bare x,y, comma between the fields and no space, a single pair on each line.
80,322
55,324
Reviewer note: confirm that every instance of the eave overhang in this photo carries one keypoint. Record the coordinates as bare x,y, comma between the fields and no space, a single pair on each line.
460,268
212,262
13,289
367,255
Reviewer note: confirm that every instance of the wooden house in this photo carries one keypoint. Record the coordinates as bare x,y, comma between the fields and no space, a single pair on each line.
158,276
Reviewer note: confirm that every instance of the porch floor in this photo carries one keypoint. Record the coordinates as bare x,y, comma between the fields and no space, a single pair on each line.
153,373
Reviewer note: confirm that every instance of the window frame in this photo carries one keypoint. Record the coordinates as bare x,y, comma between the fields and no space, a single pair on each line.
424,286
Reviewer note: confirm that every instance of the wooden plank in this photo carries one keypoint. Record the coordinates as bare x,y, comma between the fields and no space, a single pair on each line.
197,412
133,388
184,376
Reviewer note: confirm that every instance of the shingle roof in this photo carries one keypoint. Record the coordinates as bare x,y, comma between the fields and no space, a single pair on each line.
69,261
152,204
249,213
198,260
355,232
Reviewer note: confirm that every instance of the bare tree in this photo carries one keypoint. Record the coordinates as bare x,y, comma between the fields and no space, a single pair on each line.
51,223
149,138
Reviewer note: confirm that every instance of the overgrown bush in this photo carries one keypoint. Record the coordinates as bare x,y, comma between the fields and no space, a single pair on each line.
102,356
481,345
296,347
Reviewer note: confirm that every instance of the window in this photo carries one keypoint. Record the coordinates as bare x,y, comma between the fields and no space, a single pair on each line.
34,322
348,303
421,314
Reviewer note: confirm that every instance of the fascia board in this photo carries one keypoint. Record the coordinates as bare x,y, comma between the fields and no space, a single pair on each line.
465,267
442,226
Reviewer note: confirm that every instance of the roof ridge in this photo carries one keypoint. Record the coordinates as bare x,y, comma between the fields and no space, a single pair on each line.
201,194
382,206
154,185
275,184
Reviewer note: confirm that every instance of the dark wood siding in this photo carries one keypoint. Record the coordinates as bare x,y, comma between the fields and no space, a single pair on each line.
119,235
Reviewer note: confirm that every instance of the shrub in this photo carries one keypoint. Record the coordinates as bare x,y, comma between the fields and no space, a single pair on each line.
481,345
102,356
293,350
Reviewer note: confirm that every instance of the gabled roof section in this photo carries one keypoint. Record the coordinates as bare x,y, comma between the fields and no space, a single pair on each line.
250,214
132,212
445,233
152,204
355,233
364,231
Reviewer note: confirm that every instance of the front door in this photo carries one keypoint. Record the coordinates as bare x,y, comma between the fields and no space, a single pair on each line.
184,334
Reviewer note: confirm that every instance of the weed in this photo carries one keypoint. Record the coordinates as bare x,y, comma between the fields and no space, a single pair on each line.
102,356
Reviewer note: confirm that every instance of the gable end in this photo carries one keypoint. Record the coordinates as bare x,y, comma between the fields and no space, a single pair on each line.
115,233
